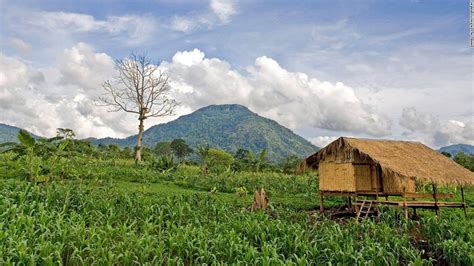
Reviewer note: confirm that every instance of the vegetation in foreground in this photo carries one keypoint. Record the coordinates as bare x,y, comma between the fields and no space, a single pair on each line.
63,201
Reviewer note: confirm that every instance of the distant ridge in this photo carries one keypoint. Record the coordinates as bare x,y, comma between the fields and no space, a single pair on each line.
9,133
457,148
228,127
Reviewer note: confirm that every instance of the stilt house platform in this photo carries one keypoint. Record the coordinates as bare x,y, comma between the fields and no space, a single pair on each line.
377,169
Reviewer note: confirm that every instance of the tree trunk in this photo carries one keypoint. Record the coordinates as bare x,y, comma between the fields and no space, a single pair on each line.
138,152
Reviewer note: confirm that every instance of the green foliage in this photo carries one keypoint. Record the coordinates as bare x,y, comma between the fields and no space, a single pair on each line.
163,164
289,164
25,139
244,160
163,148
65,133
261,162
180,149
97,223
219,160
466,160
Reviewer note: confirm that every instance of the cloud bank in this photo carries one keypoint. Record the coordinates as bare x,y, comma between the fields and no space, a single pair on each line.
291,98
43,99
437,132
63,96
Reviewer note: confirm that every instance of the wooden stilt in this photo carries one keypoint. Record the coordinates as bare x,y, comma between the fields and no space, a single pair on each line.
463,201
435,199
321,201
405,205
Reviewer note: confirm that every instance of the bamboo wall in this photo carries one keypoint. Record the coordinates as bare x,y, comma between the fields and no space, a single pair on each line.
363,177
336,177
349,172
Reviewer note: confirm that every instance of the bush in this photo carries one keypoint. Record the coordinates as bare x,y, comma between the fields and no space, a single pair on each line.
219,160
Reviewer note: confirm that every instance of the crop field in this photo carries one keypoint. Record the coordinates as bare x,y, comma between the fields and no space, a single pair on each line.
113,212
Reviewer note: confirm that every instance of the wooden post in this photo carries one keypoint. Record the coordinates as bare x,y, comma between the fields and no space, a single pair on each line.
321,201
405,204
463,201
435,199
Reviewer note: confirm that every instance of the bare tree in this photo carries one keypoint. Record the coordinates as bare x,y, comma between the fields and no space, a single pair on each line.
140,88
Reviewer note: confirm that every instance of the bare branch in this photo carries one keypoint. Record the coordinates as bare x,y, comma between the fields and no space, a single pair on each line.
140,88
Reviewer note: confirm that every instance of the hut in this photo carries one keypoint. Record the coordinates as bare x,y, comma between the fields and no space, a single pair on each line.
365,167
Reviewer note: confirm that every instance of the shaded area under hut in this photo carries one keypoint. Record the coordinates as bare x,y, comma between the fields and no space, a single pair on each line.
354,167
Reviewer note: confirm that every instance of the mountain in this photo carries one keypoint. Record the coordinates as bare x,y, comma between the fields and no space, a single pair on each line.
457,148
9,133
228,127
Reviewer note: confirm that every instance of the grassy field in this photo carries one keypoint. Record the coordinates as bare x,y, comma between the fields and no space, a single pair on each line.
112,212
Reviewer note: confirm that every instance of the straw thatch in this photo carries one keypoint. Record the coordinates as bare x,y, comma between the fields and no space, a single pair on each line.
400,161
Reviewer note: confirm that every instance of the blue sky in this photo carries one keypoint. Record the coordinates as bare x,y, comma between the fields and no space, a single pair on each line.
380,69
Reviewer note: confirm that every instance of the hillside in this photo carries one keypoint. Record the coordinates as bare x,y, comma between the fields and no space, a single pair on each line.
457,148
9,133
227,127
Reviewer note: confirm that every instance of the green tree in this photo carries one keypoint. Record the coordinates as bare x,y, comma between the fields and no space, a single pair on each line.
203,153
244,160
114,150
163,148
40,156
148,154
219,160
65,133
261,162
288,165
126,153
181,149
466,160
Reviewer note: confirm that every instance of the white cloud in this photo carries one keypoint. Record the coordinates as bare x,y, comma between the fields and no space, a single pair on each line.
413,120
83,67
188,58
455,132
291,98
183,24
224,9
322,141
43,100
220,12
134,29
437,133
64,98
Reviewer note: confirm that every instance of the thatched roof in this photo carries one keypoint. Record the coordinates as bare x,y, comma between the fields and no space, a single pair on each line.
402,158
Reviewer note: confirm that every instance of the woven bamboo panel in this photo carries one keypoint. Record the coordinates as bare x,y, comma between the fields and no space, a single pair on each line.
336,177
363,177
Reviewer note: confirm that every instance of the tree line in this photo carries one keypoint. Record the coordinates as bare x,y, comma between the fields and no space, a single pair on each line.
43,158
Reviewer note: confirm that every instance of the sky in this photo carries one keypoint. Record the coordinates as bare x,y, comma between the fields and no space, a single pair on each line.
373,69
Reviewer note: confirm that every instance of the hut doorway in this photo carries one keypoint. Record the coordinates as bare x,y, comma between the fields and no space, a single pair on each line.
367,178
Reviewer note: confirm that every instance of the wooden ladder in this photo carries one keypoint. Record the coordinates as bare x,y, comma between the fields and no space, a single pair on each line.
364,209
